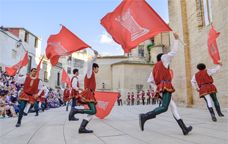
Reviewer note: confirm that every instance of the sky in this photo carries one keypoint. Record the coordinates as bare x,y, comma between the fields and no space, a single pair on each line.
82,17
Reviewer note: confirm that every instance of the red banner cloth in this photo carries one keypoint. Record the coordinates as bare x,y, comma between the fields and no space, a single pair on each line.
11,71
105,103
212,45
62,44
133,22
66,78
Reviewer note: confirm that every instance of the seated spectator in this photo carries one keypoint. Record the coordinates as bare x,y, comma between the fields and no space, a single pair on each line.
6,107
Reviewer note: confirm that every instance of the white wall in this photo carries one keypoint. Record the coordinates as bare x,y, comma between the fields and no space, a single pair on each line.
8,44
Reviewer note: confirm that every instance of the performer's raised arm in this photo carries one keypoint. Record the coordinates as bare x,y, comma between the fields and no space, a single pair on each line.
90,64
214,70
167,58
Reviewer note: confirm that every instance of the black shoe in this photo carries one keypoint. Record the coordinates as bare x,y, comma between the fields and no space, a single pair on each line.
144,117
142,121
37,114
83,129
185,129
74,111
18,124
25,114
219,111
73,119
212,114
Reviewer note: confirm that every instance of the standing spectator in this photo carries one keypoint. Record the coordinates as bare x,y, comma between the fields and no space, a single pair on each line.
154,99
143,97
132,98
128,98
138,98
148,97
119,100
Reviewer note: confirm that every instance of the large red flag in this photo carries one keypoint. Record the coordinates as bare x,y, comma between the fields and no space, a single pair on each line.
65,78
212,45
62,44
105,103
11,71
133,22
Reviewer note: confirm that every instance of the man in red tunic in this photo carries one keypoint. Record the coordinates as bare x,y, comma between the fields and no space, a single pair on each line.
132,98
143,97
29,94
202,81
148,97
41,98
74,93
138,98
128,98
161,77
87,95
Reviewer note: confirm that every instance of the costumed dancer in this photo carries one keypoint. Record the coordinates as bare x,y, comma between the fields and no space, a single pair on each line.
161,77
202,81
74,93
87,95
29,94
42,97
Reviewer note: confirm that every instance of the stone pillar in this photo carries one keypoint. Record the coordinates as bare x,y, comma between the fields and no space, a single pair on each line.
186,53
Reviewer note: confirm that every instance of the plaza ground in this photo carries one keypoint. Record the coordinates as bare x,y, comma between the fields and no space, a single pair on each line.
120,127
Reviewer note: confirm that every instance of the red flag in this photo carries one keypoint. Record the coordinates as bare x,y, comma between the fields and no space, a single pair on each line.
212,45
62,44
105,103
38,67
11,71
133,22
65,78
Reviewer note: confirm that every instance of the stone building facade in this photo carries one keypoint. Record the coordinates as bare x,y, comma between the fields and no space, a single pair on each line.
192,19
14,42
129,72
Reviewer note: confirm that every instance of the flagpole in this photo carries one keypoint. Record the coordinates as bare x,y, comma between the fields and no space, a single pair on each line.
181,41
96,51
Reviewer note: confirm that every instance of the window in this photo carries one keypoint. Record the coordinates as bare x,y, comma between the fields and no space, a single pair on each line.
139,87
207,12
129,54
103,85
26,37
58,79
69,60
45,71
68,70
59,65
204,13
36,43
45,76
77,63
141,50
29,64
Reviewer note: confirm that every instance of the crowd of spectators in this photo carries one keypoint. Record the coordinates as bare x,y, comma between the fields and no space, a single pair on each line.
10,91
